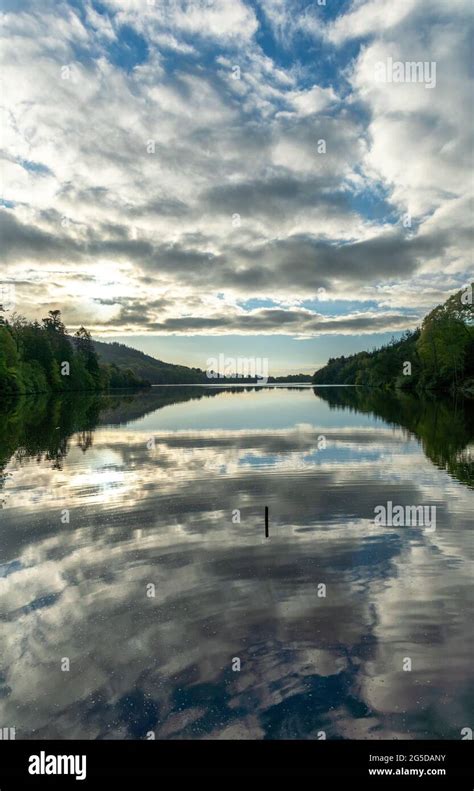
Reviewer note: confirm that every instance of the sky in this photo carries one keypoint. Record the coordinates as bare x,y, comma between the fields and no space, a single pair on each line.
235,177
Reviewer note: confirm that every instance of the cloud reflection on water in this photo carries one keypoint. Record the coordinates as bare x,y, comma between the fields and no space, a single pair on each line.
165,517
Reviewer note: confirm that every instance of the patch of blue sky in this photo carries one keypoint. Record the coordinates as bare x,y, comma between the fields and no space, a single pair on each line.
81,8
10,568
14,6
373,204
99,7
372,200
333,10
256,302
259,461
35,167
317,60
41,602
129,50
325,66
8,204
338,307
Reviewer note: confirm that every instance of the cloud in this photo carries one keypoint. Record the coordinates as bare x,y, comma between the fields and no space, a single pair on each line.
127,157
421,140
294,322
372,17
174,24
257,596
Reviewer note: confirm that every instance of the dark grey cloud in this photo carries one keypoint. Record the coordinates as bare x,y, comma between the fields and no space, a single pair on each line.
20,240
302,263
158,204
272,320
280,195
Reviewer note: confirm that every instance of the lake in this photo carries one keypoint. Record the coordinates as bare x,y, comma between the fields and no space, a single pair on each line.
139,596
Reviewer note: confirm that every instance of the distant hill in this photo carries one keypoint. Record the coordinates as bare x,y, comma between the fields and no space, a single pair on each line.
158,372
154,371
437,356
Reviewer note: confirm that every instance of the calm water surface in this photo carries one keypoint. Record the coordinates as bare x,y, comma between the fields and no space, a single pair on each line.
154,485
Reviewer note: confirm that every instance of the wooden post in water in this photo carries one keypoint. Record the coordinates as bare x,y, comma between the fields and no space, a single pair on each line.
266,521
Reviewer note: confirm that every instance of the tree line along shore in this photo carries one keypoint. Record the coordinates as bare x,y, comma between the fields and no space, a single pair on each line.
438,356
41,357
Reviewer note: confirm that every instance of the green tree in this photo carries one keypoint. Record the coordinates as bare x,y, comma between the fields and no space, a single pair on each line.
10,374
86,351
32,357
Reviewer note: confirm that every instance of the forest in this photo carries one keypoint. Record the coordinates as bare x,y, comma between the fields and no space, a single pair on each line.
439,355
41,357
